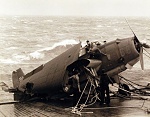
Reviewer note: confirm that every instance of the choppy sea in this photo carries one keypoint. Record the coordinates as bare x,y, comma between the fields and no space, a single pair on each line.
27,42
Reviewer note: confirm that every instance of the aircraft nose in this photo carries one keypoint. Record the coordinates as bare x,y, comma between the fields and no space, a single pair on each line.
139,47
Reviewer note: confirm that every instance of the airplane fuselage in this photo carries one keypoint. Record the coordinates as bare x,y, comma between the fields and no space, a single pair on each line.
112,57
116,55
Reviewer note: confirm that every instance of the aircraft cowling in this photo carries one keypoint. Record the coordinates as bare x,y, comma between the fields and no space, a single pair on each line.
119,54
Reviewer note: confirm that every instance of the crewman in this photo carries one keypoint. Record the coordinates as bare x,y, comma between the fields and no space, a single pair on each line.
76,82
88,46
76,87
104,88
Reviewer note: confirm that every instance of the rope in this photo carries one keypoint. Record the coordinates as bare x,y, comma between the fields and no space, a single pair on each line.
132,82
143,104
77,110
83,105
146,55
146,51
139,97
82,93
138,89
92,83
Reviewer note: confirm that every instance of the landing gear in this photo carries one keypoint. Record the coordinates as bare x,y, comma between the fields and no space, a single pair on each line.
124,90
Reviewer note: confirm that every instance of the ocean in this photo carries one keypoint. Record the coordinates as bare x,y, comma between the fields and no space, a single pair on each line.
28,41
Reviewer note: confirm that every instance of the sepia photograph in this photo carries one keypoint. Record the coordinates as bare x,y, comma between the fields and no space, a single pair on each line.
71,58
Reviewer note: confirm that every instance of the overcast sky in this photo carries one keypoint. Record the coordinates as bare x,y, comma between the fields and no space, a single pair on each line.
76,7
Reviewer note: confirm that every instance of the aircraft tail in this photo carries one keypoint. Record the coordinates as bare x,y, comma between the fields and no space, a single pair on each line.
15,77
20,73
4,87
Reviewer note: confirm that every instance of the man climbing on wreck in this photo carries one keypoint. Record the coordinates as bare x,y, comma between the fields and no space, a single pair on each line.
104,88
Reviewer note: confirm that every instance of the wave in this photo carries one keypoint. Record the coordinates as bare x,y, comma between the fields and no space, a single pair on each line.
61,43
8,61
20,58
48,20
55,49
99,26
11,48
35,55
43,54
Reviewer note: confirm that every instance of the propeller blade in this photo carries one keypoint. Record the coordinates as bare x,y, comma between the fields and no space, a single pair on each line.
141,58
141,46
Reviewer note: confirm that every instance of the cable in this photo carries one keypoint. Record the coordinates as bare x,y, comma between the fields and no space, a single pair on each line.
138,89
91,77
132,82
146,55
146,51
82,93
133,93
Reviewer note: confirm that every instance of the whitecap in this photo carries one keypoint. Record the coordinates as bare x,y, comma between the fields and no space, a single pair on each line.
38,45
20,57
49,20
66,42
99,26
61,43
115,29
11,48
36,55
40,54
8,61
60,34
